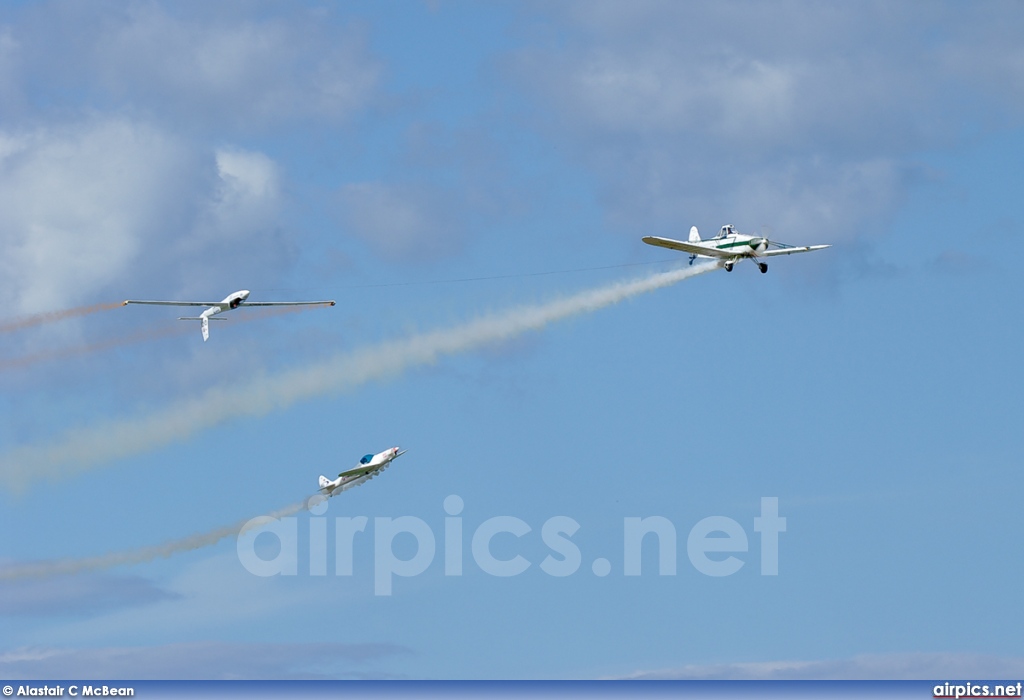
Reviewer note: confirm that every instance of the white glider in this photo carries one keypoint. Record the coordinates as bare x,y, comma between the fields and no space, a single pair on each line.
729,246
231,301
369,466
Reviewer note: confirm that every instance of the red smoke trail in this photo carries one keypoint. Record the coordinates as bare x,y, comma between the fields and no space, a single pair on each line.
18,324
253,313
140,337
52,316
77,350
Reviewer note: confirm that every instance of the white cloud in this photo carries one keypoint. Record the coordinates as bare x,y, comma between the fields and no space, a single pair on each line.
201,599
187,620
77,595
400,220
797,200
10,90
105,206
907,666
206,64
247,176
754,75
801,115
736,97
808,200
247,198
201,660
78,204
989,58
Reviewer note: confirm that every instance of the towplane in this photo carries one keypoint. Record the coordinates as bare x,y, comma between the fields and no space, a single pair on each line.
231,301
369,466
730,246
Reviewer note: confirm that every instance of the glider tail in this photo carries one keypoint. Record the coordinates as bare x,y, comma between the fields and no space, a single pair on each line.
205,321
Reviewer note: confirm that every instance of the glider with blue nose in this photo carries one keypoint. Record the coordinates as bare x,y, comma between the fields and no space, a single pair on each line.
369,466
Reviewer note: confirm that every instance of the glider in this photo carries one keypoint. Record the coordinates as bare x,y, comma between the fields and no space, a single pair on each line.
729,246
369,466
231,301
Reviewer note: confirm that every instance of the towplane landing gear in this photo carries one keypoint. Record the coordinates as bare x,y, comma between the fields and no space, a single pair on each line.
763,267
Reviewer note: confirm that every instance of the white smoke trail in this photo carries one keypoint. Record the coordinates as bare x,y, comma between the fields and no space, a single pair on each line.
83,448
58,567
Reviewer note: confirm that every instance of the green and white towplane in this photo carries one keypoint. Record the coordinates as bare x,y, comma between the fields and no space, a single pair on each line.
730,246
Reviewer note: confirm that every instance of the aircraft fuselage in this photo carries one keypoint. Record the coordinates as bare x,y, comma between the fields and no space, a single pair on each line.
367,468
739,244
231,301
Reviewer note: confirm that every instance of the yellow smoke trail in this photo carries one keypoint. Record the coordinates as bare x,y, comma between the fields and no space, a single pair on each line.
52,316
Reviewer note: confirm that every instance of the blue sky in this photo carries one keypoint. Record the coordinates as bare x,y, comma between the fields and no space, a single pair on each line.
375,153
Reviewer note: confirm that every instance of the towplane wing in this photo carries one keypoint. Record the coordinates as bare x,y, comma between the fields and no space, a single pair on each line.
689,247
790,249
